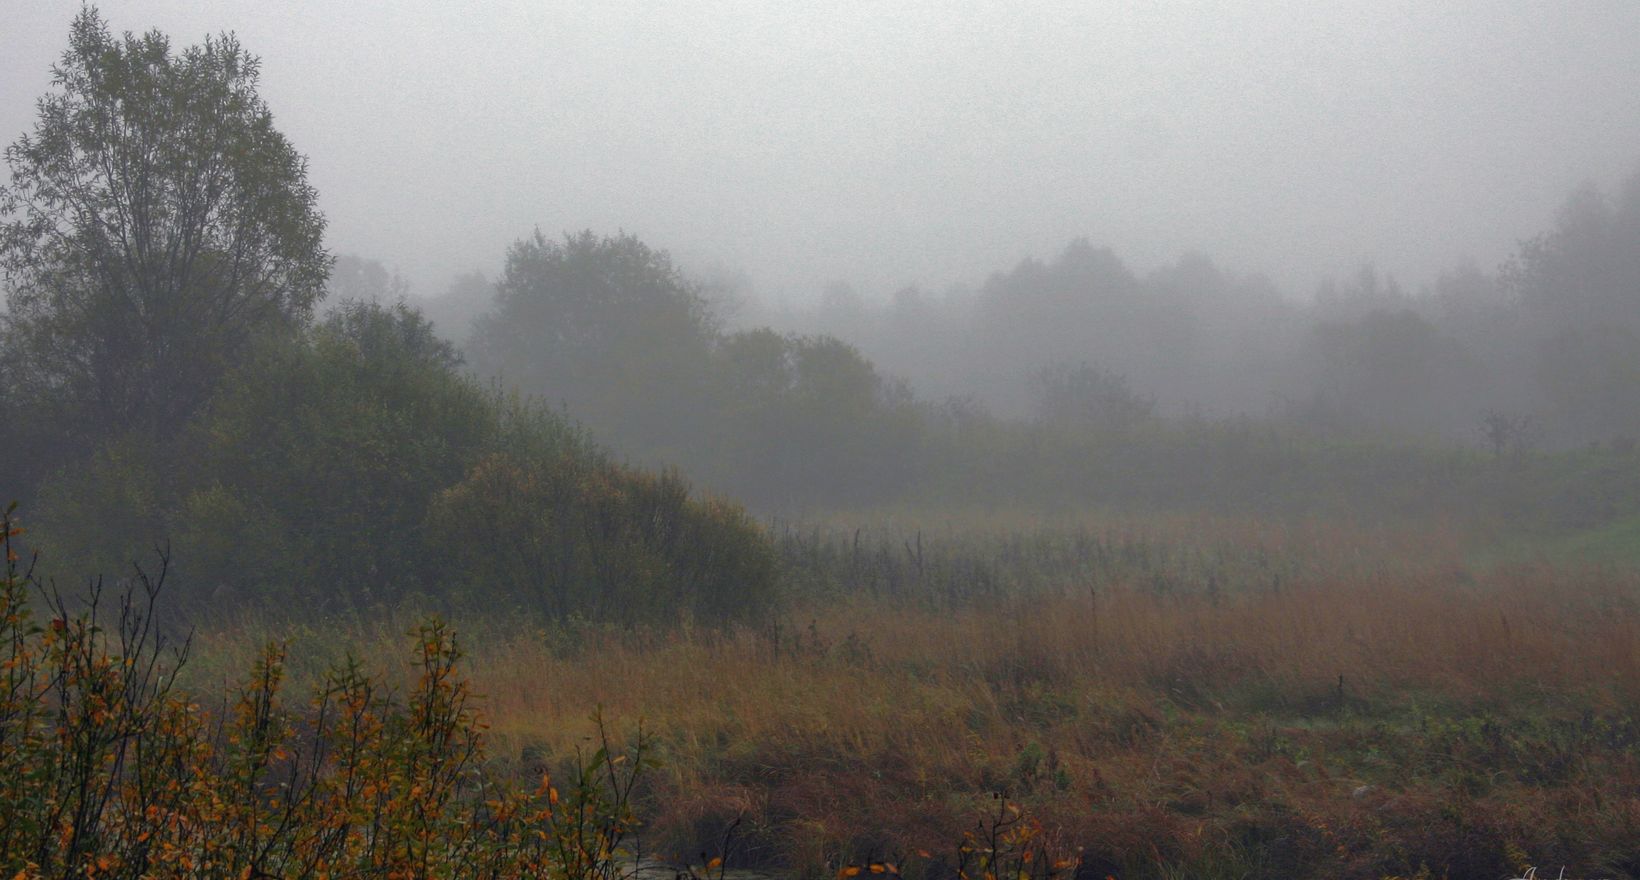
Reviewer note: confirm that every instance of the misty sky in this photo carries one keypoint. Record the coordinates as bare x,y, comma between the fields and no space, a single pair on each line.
886,143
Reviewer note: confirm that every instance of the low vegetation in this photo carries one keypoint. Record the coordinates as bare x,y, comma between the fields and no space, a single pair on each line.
110,770
1362,633
353,466
1166,700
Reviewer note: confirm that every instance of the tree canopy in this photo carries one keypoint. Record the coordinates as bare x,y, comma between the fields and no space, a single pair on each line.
163,382
602,325
154,222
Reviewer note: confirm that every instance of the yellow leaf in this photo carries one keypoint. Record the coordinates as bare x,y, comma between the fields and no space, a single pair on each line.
850,871
876,869
715,863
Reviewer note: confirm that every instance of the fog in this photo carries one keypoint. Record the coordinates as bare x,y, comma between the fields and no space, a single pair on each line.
853,255
948,433
889,144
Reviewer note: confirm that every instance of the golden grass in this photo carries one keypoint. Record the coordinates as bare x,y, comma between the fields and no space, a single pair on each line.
1155,727
863,674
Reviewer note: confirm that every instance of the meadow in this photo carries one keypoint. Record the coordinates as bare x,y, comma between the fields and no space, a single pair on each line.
1158,696
1092,572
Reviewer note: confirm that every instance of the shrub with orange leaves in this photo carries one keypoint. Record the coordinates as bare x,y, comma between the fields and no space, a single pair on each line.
106,770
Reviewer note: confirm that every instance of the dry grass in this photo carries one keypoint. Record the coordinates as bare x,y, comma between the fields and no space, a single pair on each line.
1481,719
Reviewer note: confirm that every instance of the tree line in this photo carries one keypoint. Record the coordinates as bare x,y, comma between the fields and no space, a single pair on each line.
1545,340
184,364
1374,401
164,382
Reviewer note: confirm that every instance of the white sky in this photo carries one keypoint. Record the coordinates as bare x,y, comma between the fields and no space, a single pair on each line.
889,142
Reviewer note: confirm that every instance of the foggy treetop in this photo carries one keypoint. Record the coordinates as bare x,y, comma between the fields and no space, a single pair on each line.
886,144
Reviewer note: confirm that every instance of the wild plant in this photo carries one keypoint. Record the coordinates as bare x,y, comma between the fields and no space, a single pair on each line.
108,770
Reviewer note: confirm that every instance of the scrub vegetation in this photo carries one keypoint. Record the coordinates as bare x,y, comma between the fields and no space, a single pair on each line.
1063,601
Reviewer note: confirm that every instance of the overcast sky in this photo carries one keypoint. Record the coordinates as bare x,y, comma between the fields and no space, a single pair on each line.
896,142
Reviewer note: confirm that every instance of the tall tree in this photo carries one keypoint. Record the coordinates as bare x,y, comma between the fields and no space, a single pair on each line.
155,221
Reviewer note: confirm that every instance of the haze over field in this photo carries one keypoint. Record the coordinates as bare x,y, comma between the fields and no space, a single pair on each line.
884,144
1021,441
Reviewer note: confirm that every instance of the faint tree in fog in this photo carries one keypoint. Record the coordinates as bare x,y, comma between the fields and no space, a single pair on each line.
1507,431
808,417
454,311
357,279
1590,380
1579,288
1367,291
1392,371
1587,269
1085,395
608,327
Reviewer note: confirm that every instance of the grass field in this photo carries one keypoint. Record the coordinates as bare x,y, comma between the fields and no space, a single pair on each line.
1614,544
1169,698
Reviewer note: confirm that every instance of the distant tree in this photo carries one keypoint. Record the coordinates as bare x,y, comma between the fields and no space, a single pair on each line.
453,311
1085,300
808,419
1586,270
1392,371
154,222
1577,287
1507,431
606,326
1085,395
355,278
1589,379
842,312
1363,294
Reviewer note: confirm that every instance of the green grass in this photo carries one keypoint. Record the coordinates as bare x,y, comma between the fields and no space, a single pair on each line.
1615,544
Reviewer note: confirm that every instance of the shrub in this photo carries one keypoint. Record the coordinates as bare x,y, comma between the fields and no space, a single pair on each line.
568,535
108,770
326,467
